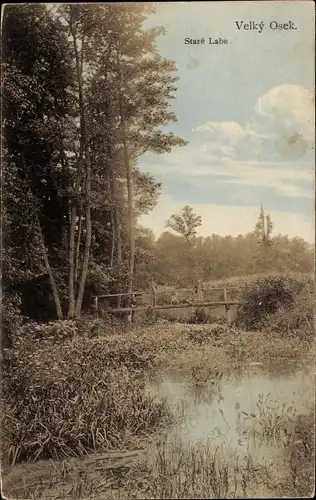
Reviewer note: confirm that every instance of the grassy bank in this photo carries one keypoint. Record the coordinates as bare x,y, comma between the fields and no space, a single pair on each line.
77,388
84,394
74,397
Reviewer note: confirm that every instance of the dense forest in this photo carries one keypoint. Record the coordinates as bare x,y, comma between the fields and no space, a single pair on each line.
85,95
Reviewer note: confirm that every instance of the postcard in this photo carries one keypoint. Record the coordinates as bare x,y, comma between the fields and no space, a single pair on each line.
158,250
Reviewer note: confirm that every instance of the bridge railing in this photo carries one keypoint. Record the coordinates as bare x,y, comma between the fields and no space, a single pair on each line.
146,305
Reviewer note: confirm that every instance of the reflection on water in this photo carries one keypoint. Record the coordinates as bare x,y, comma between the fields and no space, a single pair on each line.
251,411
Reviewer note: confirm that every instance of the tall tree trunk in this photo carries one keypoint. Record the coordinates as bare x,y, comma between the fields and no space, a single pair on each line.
129,207
49,272
129,187
73,265
85,141
113,239
119,253
78,246
72,230
110,190
195,267
117,224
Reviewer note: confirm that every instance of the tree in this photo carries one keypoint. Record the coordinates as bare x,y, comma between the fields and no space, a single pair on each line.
146,192
264,228
77,120
79,25
36,77
186,224
145,86
140,85
144,256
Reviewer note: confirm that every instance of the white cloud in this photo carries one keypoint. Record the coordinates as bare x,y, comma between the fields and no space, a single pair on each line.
198,166
282,112
281,179
231,220
239,154
286,110
227,132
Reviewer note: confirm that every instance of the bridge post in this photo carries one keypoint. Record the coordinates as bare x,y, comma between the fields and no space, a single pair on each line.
227,308
131,299
96,304
153,298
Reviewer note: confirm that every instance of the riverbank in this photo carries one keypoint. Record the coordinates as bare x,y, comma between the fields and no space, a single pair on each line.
114,412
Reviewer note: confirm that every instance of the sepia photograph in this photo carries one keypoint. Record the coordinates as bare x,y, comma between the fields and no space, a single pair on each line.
158,250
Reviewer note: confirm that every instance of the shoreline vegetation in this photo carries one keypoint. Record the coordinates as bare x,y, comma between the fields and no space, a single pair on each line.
82,393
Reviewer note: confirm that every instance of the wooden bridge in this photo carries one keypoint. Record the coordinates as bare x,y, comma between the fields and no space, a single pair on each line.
131,309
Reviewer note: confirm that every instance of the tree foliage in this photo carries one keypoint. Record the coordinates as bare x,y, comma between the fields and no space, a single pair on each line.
85,95
220,257
186,223
264,228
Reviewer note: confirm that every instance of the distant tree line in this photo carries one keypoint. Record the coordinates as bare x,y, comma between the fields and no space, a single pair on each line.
176,258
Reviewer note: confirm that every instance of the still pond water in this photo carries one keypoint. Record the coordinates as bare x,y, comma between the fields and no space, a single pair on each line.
249,412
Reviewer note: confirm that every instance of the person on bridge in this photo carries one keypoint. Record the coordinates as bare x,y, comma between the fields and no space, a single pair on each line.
153,293
199,297
175,298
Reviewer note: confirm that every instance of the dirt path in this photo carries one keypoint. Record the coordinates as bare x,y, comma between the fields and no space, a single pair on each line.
72,478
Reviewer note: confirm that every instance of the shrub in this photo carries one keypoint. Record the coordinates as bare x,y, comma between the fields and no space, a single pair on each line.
297,317
200,316
68,398
52,331
264,297
92,326
164,297
209,333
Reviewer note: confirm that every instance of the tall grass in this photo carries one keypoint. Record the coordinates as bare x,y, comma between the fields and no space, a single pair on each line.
271,421
71,398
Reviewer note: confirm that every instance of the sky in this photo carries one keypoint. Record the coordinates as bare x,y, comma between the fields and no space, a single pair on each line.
246,109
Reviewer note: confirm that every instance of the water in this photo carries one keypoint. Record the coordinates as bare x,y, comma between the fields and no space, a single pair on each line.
250,412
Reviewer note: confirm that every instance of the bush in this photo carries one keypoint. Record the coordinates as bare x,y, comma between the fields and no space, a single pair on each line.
200,316
91,326
164,297
298,317
209,333
53,331
264,298
68,398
